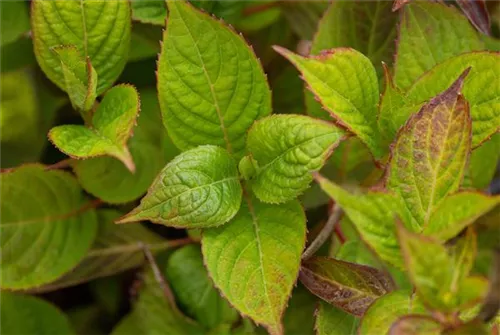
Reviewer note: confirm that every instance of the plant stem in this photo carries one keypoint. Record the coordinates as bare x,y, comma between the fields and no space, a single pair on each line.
60,165
324,234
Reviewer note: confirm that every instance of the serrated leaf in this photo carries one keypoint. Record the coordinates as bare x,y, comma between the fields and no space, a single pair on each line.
430,153
199,188
211,87
383,312
112,126
458,211
80,78
482,164
42,236
331,320
286,149
99,29
345,83
194,290
373,214
439,280
149,11
24,314
477,89
416,324
117,248
432,27
254,259
349,286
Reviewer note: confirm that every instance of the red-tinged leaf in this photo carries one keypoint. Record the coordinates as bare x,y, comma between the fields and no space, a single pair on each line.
349,286
414,324
477,13
430,153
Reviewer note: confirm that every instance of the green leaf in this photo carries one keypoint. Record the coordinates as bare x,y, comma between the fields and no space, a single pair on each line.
112,126
458,211
254,259
482,97
356,251
17,55
24,314
145,39
47,226
416,324
194,290
14,20
199,188
373,214
149,11
482,164
298,315
211,86
80,78
331,320
286,149
117,248
345,83
430,153
99,29
432,27
348,286
440,280
303,17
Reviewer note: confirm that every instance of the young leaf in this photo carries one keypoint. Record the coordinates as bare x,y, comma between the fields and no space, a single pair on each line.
254,260
99,29
211,87
194,290
478,91
386,310
458,211
24,314
416,324
80,78
345,82
149,11
349,286
112,126
430,154
331,320
199,188
373,214
42,236
432,27
286,149
117,248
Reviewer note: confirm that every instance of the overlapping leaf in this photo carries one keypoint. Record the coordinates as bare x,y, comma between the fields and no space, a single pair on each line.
285,150
210,84
254,260
112,126
99,29
349,286
23,314
345,83
438,31
430,154
47,226
199,188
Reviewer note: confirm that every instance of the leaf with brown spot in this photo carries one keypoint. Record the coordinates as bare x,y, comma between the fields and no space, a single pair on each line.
430,153
349,286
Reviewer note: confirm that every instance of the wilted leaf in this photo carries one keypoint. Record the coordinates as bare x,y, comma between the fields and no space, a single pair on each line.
112,126
99,29
199,188
331,320
208,96
430,153
254,259
285,150
23,314
47,226
349,286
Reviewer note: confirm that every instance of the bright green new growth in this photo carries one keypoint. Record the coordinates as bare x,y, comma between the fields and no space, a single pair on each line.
199,188
112,125
345,82
211,86
42,236
24,314
286,149
254,259
81,80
